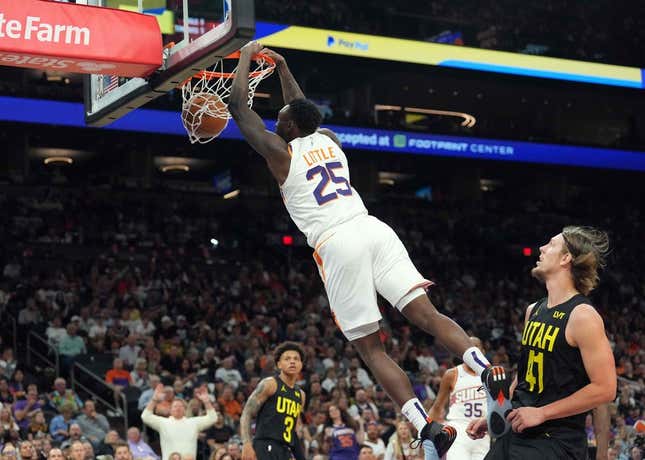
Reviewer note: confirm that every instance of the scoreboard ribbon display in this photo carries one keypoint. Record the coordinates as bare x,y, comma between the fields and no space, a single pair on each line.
358,138
462,57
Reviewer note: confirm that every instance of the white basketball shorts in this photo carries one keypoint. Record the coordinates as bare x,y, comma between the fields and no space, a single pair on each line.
356,260
465,448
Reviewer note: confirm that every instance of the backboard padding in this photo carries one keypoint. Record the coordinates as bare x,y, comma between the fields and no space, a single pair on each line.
185,61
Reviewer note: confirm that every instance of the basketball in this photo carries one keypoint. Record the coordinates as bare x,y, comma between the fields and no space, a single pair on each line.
206,114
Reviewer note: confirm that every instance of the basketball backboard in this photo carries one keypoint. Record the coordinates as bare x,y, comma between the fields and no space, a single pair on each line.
210,30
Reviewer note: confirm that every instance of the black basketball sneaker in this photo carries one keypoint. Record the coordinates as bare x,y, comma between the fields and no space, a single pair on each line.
441,436
497,386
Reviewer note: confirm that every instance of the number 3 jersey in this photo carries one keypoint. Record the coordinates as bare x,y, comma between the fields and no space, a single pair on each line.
317,192
549,368
277,417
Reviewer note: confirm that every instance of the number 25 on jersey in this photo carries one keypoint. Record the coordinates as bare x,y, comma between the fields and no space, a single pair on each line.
326,173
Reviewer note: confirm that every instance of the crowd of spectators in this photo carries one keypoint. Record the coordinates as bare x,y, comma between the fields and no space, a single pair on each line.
132,277
568,29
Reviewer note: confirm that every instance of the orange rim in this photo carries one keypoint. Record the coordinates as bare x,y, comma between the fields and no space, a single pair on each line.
209,75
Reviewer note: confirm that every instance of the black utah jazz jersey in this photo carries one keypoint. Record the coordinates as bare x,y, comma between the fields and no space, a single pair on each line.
549,368
278,415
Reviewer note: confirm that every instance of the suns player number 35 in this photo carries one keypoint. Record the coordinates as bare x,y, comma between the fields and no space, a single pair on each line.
326,173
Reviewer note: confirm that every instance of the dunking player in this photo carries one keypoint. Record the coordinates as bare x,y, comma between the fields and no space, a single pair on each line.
357,255
460,389
277,402
566,366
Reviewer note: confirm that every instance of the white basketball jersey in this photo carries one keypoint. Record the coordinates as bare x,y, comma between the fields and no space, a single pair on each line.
467,400
317,192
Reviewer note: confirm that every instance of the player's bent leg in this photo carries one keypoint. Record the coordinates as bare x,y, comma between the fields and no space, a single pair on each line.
388,374
397,279
422,313
397,385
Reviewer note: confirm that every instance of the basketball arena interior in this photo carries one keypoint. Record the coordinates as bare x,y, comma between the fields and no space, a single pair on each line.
476,130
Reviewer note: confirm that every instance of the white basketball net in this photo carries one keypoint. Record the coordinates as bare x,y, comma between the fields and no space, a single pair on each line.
216,82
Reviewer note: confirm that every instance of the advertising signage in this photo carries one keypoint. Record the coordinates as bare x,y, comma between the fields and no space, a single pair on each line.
462,57
357,138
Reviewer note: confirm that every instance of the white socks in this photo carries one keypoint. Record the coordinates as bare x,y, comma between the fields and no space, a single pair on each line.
413,411
475,359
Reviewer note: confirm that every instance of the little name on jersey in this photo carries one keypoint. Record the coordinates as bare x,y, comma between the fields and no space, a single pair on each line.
316,156
538,335
467,394
287,406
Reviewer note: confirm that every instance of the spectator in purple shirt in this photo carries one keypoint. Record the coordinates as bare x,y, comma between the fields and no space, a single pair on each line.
24,409
139,448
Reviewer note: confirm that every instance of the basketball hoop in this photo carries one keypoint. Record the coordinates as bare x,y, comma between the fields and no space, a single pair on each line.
214,87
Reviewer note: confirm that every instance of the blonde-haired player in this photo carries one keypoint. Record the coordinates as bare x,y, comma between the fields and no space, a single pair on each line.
461,391
357,254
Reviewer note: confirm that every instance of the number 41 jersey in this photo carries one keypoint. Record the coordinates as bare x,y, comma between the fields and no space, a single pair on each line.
549,369
317,192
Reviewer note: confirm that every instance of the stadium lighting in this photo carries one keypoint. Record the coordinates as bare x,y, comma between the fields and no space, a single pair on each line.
57,161
287,240
214,242
232,194
527,252
175,168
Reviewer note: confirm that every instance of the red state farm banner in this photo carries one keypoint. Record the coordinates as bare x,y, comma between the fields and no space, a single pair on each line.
78,38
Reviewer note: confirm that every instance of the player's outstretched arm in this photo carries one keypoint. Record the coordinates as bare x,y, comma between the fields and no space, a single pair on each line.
271,146
445,387
265,389
290,88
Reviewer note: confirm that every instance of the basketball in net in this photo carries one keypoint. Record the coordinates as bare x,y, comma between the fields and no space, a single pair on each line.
204,111
199,113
